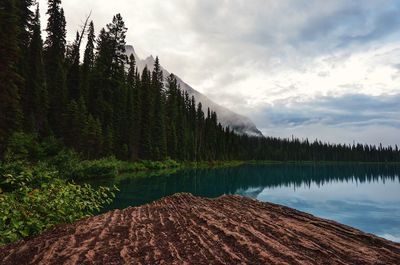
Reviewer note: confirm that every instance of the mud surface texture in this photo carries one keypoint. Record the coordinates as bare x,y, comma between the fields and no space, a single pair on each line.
183,229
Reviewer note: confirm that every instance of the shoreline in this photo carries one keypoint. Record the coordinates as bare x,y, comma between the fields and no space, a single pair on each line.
112,168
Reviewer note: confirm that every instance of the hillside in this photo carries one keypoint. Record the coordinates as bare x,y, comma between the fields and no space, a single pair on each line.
239,123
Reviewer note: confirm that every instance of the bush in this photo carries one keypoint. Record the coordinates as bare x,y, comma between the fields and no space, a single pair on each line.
111,167
65,162
35,199
21,146
102,168
157,165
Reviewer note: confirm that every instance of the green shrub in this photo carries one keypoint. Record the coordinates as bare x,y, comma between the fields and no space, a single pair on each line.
35,199
22,146
111,167
102,168
65,162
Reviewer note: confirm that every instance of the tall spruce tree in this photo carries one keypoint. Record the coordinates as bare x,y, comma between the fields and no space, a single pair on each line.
55,46
145,145
73,69
10,109
172,123
117,32
25,24
88,64
158,123
100,80
132,111
25,17
35,98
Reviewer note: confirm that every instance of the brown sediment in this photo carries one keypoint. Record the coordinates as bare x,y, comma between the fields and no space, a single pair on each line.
183,229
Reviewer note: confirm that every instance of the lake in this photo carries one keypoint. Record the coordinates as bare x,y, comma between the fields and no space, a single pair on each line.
364,196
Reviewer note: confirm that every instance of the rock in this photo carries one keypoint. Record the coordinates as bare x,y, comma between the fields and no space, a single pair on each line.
183,229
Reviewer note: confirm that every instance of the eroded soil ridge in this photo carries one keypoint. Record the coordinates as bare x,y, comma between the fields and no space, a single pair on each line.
183,229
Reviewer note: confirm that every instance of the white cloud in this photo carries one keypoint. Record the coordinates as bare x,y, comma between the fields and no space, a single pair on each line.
248,55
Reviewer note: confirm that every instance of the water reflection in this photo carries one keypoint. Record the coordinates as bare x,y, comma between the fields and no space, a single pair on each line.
363,196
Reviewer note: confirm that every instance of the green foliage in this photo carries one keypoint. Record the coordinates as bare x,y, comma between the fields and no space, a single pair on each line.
34,94
35,199
10,79
112,167
157,165
102,168
21,146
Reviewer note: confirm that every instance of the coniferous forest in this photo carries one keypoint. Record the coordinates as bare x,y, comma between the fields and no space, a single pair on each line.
99,104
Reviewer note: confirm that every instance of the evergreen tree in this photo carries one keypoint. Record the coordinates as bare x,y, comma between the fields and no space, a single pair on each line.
10,109
200,132
173,121
35,98
158,122
73,69
24,24
145,145
54,58
88,63
101,78
133,111
24,21
117,34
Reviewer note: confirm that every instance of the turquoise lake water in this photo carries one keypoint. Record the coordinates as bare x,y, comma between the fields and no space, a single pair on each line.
363,196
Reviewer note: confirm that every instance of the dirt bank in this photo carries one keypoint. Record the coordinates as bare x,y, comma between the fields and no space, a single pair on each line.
183,229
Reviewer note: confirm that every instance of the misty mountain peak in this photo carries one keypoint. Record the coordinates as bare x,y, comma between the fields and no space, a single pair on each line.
237,122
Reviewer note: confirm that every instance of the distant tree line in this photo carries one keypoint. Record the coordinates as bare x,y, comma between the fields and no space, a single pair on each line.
101,105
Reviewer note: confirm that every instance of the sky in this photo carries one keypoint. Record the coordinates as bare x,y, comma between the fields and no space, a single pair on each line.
309,68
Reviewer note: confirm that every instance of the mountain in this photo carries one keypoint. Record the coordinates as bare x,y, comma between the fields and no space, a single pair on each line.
226,117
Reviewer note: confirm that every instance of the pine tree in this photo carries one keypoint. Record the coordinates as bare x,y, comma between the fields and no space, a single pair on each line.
101,75
35,98
88,64
25,24
117,34
73,69
25,18
173,98
158,122
54,58
10,109
200,132
145,145
133,110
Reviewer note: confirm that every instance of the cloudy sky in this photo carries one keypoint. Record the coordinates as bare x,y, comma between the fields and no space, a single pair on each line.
311,68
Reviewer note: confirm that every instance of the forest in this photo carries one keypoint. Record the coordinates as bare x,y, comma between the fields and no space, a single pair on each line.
99,104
